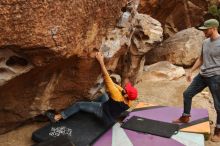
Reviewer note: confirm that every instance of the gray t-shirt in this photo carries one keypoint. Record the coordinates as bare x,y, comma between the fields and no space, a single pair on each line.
211,57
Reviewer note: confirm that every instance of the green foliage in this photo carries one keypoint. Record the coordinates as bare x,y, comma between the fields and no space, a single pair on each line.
214,10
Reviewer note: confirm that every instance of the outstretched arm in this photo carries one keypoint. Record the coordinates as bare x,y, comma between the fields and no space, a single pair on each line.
113,90
100,58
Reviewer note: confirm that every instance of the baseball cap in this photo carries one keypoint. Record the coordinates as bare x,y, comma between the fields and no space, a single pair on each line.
209,24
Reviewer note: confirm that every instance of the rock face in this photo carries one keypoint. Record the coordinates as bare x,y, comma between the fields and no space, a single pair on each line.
175,15
63,26
54,40
12,65
130,51
181,49
47,52
147,34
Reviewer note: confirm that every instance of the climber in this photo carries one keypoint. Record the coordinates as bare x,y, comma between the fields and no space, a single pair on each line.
105,108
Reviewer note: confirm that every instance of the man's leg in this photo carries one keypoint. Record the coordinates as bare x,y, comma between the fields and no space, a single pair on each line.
103,98
90,107
214,86
197,85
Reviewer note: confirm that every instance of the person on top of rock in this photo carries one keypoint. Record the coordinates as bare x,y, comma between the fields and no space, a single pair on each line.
105,108
209,75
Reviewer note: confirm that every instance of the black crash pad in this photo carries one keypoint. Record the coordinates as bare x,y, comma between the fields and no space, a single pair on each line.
149,126
58,141
82,128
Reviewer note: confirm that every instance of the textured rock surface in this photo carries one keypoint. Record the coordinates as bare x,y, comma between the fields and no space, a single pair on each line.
181,49
175,15
163,70
55,38
74,25
12,65
147,34
144,33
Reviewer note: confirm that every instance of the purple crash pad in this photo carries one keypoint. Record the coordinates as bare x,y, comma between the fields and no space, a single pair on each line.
167,114
137,139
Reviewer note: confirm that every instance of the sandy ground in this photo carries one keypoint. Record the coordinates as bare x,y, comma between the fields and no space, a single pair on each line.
164,92
20,136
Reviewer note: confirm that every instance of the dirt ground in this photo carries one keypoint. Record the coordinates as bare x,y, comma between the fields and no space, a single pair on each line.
164,92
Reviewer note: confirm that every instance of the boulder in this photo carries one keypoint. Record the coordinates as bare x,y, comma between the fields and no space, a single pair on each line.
47,54
148,33
181,49
47,59
129,45
163,70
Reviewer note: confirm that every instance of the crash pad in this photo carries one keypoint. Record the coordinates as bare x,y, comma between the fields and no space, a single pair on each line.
82,128
149,126
190,139
144,104
201,126
58,141
117,136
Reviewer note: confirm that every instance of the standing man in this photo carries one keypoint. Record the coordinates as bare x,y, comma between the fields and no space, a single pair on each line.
209,76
